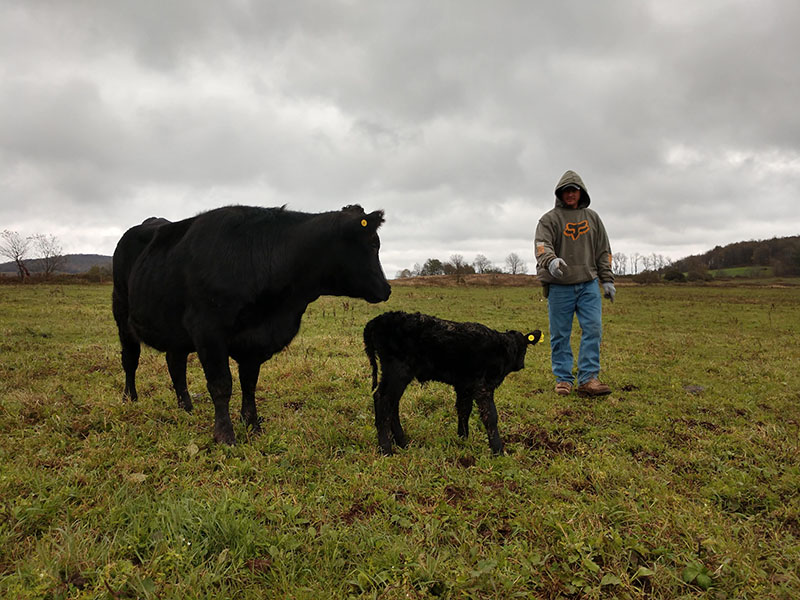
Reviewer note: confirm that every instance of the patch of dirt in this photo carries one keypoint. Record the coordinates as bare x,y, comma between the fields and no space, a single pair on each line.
535,438
359,510
693,423
258,565
454,494
466,461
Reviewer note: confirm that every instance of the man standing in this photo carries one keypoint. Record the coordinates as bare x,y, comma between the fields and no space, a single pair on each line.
572,253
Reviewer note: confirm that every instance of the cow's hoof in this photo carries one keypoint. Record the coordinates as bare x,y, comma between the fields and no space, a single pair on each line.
225,437
186,404
253,422
386,450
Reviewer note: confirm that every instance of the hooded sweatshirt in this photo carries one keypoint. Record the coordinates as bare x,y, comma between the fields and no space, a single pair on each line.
575,235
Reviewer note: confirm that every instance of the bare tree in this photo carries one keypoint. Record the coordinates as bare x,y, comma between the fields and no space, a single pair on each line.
516,266
15,247
635,258
50,251
481,264
459,265
619,263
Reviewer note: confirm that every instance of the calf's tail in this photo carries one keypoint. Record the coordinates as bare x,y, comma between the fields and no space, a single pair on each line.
369,348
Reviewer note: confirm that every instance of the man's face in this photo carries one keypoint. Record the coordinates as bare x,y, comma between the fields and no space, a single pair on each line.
570,197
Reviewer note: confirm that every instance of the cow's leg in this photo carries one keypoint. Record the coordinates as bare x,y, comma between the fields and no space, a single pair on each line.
485,399
176,363
248,378
131,349
387,402
464,410
214,359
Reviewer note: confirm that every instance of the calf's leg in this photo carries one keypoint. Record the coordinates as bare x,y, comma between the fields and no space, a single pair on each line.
176,363
485,399
464,409
248,378
387,408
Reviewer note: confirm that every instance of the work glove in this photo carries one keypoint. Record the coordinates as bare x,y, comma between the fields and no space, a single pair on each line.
609,291
555,267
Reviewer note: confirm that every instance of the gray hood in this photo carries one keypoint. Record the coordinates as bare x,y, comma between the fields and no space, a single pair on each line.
571,177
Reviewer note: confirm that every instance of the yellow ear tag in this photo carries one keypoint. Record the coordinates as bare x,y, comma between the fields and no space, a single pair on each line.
531,338
363,222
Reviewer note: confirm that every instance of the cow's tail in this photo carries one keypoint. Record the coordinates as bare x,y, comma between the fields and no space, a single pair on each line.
369,348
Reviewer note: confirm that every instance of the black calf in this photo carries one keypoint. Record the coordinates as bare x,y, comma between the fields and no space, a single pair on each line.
471,357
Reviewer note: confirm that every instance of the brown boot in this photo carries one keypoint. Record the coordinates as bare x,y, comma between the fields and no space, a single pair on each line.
593,387
563,388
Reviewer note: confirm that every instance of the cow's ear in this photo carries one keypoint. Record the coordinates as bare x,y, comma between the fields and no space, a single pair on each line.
369,222
533,337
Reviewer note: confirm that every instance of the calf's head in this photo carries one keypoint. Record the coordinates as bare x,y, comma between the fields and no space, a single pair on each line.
518,345
358,272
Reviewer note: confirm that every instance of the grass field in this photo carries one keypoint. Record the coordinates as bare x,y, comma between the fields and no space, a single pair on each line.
684,483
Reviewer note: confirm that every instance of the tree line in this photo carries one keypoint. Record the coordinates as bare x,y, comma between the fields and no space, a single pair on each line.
781,254
635,263
457,265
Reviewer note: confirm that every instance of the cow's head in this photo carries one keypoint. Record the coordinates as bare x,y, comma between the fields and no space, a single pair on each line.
519,345
358,271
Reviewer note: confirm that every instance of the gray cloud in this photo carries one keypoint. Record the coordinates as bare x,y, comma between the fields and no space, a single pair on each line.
455,117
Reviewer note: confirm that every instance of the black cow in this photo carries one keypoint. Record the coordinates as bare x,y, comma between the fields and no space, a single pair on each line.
469,356
235,282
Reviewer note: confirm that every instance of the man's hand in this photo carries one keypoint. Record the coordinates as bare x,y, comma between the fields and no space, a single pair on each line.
555,267
609,291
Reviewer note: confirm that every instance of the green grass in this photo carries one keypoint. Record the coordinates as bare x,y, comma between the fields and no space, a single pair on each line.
745,272
682,484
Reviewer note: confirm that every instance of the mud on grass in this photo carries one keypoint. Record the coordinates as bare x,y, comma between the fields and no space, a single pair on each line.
683,483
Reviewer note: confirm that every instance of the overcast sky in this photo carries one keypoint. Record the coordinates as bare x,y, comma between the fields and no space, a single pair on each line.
456,117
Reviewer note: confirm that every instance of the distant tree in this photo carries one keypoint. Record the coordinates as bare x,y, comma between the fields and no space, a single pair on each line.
673,274
481,264
98,274
761,255
50,252
416,270
15,247
457,266
698,271
432,266
404,274
516,266
619,262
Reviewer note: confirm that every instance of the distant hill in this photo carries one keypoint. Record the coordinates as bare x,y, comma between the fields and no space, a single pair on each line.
76,263
781,254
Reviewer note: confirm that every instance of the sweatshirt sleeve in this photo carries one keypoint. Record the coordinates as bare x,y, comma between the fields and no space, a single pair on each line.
603,255
544,245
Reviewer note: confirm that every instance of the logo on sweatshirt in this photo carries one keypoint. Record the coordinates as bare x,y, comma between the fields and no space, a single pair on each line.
576,230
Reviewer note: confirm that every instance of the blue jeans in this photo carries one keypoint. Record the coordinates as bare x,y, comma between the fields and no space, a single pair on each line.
563,302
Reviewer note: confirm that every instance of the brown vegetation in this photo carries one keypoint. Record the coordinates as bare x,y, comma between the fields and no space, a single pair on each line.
472,279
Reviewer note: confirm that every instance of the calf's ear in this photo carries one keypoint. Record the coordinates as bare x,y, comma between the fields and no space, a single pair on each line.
533,337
